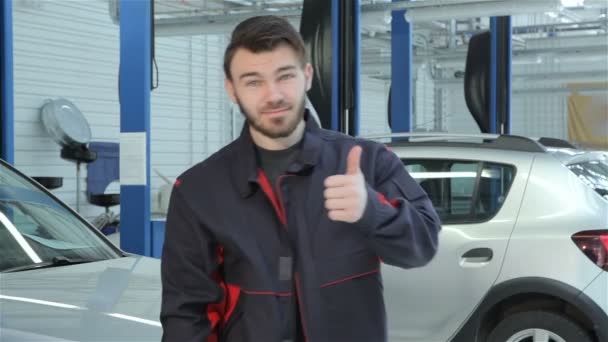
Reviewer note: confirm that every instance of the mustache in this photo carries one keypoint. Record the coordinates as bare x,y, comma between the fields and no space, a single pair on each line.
276,105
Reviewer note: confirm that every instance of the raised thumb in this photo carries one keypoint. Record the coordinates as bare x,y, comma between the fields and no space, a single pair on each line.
353,162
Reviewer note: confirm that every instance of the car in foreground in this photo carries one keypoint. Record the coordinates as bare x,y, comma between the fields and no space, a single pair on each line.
523,254
62,280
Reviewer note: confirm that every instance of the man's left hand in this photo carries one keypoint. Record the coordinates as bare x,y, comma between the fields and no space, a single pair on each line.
346,195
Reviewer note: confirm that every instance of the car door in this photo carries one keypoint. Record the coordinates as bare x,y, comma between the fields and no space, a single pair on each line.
478,202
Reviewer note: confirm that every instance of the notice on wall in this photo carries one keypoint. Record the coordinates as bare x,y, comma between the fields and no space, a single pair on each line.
133,158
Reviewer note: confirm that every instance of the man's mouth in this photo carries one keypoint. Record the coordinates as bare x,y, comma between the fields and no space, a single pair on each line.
275,112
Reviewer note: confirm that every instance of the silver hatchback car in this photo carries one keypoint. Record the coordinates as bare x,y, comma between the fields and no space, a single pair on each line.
523,255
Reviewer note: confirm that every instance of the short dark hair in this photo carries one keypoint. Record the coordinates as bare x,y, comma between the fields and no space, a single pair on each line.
263,34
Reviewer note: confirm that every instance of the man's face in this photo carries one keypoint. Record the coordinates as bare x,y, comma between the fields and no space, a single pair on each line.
270,89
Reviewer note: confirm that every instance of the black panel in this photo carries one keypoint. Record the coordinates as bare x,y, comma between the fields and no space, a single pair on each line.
347,67
477,80
502,68
315,29
477,83
2,115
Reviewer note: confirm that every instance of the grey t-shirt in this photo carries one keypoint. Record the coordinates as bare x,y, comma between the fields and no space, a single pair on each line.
275,162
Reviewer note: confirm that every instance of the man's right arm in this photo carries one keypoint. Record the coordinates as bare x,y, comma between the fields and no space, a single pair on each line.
188,261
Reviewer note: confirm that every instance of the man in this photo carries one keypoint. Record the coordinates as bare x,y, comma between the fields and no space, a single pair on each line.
279,235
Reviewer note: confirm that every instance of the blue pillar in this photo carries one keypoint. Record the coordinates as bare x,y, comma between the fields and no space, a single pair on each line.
134,92
401,73
500,75
7,117
508,66
357,72
335,59
493,74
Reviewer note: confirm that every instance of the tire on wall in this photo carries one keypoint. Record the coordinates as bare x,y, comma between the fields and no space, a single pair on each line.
521,326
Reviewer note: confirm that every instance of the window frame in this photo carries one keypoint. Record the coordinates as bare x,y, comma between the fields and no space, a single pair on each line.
481,164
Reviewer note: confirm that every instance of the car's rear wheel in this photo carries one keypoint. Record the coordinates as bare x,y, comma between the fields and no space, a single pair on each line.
538,326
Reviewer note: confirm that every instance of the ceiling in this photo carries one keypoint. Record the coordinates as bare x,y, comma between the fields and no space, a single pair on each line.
439,39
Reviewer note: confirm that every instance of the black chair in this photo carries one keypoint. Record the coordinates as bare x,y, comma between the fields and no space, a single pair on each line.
79,154
100,173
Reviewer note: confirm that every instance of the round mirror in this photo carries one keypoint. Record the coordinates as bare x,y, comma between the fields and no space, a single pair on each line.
65,123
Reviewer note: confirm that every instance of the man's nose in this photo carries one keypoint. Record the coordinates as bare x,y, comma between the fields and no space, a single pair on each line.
273,93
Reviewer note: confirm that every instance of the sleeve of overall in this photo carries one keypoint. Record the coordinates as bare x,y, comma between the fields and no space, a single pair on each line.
187,263
399,218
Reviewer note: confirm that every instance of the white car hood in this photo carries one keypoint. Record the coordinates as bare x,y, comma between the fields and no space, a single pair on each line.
113,300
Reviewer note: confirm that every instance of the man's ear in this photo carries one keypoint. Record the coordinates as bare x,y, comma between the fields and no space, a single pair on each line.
229,86
308,75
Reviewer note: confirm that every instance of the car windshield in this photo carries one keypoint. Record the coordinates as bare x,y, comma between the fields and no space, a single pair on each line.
36,229
593,173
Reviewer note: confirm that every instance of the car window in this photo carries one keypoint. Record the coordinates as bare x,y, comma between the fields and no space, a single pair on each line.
36,228
462,191
593,173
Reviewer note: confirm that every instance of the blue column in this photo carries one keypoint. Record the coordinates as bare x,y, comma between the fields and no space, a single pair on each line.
335,59
134,92
508,66
357,72
401,73
7,117
500,75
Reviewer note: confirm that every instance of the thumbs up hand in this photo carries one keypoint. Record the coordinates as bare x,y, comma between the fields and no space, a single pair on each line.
346,195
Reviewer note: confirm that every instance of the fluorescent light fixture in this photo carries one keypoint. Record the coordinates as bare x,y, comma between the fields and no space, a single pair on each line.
20,240
572,3
135,319
435,175
481,9
41,302
486,173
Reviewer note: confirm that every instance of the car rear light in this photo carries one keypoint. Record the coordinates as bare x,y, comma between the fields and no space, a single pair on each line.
594,244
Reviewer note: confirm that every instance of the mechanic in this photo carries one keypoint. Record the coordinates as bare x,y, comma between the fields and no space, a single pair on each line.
279,236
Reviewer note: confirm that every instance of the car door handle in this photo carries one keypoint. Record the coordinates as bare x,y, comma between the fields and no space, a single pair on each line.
476,257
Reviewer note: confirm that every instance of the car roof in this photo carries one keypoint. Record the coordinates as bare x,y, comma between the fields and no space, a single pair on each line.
569,156
565,151
486,141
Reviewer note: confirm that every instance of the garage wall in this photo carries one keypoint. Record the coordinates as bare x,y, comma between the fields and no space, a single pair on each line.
190,114
545,113
424,118
374,106
374,102
537,110
63,49
71,49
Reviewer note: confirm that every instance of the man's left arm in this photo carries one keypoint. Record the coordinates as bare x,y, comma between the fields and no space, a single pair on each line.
393,212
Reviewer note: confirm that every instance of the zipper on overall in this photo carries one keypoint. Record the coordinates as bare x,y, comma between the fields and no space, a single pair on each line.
277,202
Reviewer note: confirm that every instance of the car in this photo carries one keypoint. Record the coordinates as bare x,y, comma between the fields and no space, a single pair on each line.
523,253
62,280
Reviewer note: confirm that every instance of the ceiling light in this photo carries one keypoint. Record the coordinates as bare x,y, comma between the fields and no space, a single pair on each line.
572,3
481,9
551,14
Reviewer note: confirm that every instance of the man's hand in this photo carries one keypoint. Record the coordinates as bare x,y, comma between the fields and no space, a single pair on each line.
346,195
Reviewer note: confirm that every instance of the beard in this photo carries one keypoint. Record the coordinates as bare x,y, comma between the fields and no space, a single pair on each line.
276,127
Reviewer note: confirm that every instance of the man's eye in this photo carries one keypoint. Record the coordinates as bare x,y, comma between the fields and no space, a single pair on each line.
286,77
253,83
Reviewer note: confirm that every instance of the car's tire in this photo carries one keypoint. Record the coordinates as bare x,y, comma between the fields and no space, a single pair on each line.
515,328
